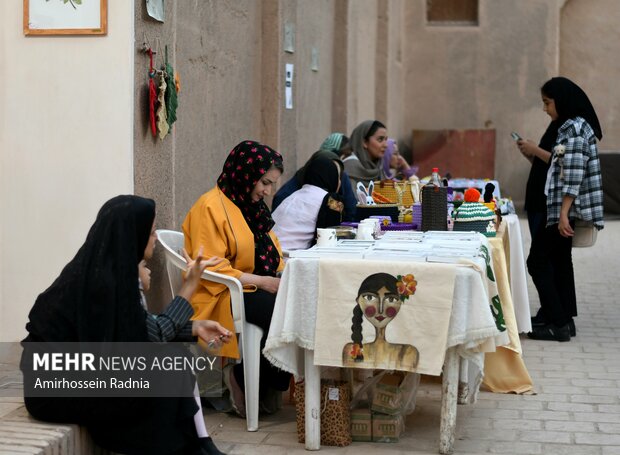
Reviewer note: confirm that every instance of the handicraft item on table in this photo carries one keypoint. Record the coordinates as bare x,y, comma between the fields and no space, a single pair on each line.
434,208
473,215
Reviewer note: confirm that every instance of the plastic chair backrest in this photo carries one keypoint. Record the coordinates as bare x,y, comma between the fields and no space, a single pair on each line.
250,335
173,243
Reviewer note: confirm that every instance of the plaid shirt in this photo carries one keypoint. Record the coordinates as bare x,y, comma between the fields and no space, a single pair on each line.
582,175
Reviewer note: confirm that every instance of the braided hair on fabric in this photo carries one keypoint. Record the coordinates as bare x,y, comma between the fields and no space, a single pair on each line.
372,283
356,333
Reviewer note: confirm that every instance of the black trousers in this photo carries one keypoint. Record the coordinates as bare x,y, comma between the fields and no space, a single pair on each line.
550,264
258,311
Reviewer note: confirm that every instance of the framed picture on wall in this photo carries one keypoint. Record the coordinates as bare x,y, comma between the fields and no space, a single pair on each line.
65,17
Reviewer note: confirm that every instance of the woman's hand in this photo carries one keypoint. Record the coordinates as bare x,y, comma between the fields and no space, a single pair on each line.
194,271
527,148
266,283
211,332
269,284
402,163
564,227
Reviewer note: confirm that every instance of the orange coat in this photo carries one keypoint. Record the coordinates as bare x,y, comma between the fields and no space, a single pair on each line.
217,224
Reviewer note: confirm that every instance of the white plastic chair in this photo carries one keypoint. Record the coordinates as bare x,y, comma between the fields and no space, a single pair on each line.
249,334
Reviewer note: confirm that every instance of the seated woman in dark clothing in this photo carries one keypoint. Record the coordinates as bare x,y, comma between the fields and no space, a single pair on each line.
332,147
96,299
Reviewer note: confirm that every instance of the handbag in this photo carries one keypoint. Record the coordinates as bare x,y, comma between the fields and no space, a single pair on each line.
400,193
335,416
585,234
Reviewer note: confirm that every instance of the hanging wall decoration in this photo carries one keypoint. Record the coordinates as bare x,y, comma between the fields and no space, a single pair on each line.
172,101
163,88
152,93
162,118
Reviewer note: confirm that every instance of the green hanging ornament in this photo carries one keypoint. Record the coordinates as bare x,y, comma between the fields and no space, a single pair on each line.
172,101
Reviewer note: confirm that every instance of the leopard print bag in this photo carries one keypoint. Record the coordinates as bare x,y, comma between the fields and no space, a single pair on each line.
335,416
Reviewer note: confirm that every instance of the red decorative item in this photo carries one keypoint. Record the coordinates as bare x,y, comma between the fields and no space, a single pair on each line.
472,195
152,93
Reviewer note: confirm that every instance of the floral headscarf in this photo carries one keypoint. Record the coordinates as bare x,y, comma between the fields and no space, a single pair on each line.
243,168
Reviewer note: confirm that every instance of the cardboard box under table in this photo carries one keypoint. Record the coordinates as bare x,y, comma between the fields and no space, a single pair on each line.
369,426
388,394
386,428
361,425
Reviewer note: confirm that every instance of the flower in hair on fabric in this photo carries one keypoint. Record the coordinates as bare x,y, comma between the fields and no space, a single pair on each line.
406,286
357,352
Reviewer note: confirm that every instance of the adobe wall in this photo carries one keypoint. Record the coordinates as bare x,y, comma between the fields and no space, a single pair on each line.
590,44
483,76
231,58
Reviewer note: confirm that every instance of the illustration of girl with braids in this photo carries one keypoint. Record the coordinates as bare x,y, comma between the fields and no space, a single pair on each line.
379,299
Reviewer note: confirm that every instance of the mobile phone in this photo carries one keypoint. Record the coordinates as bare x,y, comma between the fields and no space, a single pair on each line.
515,136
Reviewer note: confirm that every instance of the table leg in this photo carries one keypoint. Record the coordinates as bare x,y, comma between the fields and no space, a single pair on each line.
449,391
463,394
313,401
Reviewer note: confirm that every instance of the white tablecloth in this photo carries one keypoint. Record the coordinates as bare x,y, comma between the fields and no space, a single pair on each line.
518,274
472,331
472,327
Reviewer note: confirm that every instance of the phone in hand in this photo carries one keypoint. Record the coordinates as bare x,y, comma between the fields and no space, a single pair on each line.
515,136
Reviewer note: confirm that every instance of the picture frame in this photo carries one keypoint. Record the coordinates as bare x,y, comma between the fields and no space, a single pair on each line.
65,17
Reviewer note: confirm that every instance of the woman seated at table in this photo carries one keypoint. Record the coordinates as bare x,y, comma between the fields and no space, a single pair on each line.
395,166
96,299
233,221
316,205
332,147
368,142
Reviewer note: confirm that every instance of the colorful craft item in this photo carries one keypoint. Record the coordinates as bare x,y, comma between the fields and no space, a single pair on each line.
162,118
152,93
472,195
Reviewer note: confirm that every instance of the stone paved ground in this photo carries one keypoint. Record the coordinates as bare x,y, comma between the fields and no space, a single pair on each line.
576,410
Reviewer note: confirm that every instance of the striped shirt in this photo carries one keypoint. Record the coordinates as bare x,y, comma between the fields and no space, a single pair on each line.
581,177
172,324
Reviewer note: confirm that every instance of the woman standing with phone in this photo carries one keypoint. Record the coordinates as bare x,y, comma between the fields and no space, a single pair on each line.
570,187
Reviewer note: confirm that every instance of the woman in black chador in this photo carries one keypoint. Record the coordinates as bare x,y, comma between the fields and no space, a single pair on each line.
96,299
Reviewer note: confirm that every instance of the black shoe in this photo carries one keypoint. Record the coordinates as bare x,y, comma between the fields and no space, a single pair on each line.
538,323
550,332
539,320
571,327
207,446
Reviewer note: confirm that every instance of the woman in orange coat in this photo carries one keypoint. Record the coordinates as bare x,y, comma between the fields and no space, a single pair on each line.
232,221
